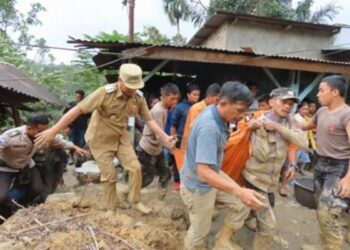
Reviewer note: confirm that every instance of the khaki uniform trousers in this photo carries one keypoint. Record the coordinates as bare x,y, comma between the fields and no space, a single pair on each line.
201,208
266,224
128,160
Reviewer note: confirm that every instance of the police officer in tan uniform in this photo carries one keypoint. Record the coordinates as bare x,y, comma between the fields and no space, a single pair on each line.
107,134
16,152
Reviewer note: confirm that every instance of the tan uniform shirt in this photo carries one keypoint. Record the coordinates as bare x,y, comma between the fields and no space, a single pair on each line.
269,152
110,111
17,149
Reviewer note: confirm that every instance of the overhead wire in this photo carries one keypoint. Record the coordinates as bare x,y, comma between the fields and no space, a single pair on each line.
137,51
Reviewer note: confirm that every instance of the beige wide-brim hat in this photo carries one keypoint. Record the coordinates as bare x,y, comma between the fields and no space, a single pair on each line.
131,75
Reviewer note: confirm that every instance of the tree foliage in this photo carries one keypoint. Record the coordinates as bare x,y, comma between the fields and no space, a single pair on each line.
275,8
11,20
177,10
149,34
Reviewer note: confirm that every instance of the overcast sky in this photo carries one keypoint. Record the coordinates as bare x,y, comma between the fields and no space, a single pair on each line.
75,18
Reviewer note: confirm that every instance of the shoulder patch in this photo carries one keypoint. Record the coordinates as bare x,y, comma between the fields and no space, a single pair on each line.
139,92
13,133
2,141
110,88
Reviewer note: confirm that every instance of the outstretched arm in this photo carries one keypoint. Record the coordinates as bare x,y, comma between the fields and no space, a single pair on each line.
248,197
168,141
48,135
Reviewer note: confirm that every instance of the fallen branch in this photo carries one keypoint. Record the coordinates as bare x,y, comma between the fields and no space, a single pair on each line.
17,204
2,218
94,237
41,224
118,238
50,223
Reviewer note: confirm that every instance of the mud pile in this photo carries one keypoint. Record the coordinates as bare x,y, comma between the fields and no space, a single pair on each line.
57,225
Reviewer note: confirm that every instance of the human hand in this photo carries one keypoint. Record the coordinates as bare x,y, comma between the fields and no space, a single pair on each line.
170,142
252,199
344,187
81,152
289,174
255,124
45,138
270,125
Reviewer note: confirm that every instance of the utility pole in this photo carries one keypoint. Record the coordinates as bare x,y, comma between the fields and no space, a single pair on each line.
131,20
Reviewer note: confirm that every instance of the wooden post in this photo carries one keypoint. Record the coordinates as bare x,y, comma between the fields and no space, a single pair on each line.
131,20
15,115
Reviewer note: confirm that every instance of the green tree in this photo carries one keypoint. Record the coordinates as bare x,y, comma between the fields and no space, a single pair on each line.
275,8
151,34
13,20
322,15
177,10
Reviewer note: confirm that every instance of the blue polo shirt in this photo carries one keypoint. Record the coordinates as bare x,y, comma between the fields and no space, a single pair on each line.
179,115
205,145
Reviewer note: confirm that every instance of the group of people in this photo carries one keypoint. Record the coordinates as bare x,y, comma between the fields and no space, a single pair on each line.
202,130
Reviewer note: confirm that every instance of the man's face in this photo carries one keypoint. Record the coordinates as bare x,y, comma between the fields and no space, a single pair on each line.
78,98
193,96
281,107
264,106
232,112
170,100
304,110
126,91
212,99
32,131
254,90
312,108
325,94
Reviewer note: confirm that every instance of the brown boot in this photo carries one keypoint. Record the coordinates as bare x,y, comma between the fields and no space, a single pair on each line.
262,242
348,236
223,240
141,208
110,195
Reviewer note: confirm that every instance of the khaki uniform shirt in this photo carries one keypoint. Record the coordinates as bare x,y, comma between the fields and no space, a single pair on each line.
17,149
269,152
110,111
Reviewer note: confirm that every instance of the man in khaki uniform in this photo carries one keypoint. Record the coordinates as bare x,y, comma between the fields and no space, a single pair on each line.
16,162
272,133
107,133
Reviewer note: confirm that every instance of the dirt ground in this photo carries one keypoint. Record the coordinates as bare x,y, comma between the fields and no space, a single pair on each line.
57,225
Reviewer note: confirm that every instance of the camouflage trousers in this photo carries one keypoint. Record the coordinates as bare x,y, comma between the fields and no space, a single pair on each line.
328,172
152,166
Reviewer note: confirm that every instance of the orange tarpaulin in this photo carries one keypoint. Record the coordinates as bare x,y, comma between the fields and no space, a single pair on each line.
236,153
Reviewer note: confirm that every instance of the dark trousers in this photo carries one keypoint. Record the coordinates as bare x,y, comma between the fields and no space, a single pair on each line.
77,137
33,188
176,173
328,172
6,206
152,166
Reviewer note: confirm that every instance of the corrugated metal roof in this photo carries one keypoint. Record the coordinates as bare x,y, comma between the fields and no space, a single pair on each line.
220,17
117,47
14,80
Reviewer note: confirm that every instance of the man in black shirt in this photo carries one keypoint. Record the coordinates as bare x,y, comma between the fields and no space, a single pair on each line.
79,125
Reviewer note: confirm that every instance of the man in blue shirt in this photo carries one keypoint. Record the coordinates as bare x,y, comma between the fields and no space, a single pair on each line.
178,120
202,182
